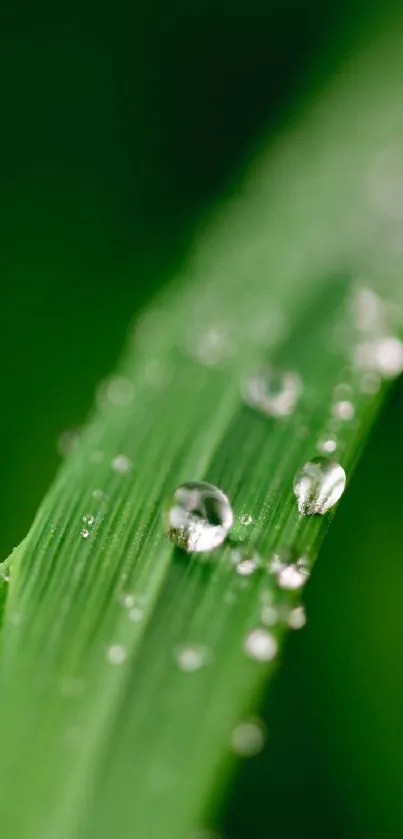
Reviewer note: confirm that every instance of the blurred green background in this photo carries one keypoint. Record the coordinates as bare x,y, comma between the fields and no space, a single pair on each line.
121,126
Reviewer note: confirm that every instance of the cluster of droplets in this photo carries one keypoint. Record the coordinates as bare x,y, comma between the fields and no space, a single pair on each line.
88,525
378,352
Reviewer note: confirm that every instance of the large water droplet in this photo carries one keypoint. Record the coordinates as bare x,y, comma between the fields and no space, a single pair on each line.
319,485
273,392
198,517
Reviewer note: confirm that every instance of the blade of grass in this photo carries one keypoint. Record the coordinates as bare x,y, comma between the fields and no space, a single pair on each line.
138,748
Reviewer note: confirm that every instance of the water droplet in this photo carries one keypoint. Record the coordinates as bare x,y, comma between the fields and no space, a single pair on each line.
4,574
198,517
248,738
212,346
260,645
319,485
191,657
89,519
85,533
121,463
273,392
246,519
327,444
99,495
128,600
136,614
368,310
118,391
297,618
269,615
246,560
290,570
344,410
116,654
382,355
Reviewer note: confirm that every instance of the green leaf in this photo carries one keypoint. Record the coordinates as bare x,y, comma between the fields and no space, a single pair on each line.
102,729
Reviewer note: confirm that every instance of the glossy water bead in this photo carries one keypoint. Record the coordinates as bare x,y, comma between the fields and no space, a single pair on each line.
198,517
319,485
273,392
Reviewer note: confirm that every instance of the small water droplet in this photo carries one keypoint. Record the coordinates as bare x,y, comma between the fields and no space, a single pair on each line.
327,444
269,616
382,355
198,517
116,654
344,410
246,519
260,645
89,519
128,600
368,310
245,559
136,614
4,574
273,392
121,463
85,533
248,738
290,570
319,485
191,657
117,391
211,346
297,618
99,495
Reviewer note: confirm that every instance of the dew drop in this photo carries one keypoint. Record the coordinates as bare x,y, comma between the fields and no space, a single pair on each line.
319,485
297,618
248,738
212,346
245,559
136,614
121,463
89,519
291,571
273,392
191,657
116,654
327,444
382,355
85,533
117,391
269,615
260,645
128,600
344,410
246,519
198,517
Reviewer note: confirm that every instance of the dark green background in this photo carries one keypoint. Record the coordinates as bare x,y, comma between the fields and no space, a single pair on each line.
120,126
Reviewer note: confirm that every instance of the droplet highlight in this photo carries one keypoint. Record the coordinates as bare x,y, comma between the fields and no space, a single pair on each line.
191,657
198,517
248,738
260,645
274,393
319,485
